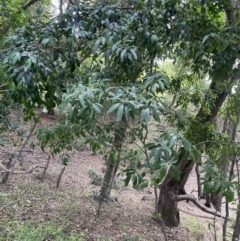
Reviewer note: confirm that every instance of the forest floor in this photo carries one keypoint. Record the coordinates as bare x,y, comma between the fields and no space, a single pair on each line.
33,210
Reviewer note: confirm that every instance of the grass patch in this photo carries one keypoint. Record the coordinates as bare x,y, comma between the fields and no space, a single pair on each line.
36,214
30,231
196,229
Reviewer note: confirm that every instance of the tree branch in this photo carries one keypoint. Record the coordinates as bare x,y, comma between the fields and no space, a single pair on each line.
20,172
28,4
199,205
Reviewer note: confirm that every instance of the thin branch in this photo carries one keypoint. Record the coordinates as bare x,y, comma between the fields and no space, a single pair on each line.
60,176
199,204
19,172
28,4
45,169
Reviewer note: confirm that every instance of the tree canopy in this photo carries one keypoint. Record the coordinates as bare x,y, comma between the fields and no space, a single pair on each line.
99,61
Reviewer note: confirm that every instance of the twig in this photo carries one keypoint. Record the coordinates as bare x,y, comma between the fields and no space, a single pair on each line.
45,169
60,176
28,4
19,172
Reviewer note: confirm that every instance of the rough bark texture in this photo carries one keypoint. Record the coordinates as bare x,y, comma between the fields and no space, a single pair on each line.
216,199
198,180
236,231
167,206
170,188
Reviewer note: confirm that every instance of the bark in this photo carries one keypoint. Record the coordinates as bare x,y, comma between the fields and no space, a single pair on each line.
170,188
198,181
45,169
199,205
208,201
236,231
159,219
60,176
167,206
216,200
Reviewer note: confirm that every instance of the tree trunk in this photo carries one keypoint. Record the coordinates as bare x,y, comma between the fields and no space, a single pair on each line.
167,206
222,80
112,166
198,181
236,231
216,199
170,186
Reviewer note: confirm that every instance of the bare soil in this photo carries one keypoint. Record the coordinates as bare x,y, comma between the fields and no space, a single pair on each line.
129,217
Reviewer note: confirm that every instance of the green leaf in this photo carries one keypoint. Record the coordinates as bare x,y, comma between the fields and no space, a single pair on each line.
133,53
155,115
154,38
69,109
146,115
45,41
161,85
197,155
123,53
134,180
120,113
144,184
96,45
33,59
176,172
113,107
157,152
229,196
207,187
186,144
163,172
127,180
217,187
126,113
97,108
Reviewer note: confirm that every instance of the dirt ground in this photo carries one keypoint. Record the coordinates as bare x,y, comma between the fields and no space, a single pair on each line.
129,217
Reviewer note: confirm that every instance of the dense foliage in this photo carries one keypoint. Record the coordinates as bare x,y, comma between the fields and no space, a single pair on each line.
99,63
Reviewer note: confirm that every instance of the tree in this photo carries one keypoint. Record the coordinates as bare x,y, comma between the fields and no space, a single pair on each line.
99,61
13,15
220,64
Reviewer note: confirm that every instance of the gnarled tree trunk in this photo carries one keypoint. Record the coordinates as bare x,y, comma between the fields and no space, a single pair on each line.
171,186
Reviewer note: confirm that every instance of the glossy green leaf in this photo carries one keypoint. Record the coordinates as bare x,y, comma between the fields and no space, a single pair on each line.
113,108
120,113
176,172
162,173
146,115
123,55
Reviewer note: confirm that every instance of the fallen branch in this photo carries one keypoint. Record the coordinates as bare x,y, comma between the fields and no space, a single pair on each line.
19,172
199,205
